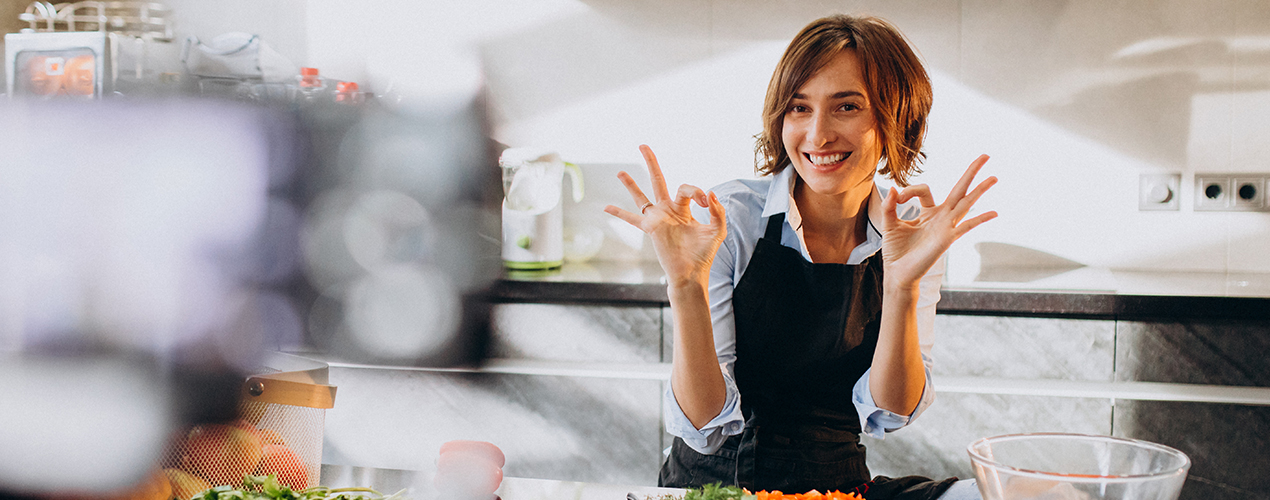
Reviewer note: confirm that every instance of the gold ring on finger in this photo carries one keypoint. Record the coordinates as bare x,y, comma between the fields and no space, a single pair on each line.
644,208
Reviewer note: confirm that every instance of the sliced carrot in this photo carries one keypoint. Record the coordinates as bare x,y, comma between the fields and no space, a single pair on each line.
810,495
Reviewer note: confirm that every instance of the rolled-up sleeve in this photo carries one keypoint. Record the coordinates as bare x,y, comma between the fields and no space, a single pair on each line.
875,421
709,438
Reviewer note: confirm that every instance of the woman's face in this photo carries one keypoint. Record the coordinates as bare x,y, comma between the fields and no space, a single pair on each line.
829,130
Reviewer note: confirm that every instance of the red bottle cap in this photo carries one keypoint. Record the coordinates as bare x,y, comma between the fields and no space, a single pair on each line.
308,72
346,87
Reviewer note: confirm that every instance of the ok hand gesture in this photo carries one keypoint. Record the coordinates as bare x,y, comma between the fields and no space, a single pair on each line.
910,248
685,248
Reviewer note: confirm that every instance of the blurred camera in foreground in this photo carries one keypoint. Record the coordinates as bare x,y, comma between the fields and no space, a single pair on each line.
154,252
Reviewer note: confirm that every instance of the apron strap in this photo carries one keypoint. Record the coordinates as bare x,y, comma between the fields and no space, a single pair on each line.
774,224
746,469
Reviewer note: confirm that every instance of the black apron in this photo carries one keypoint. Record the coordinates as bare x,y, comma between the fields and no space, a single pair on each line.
805,333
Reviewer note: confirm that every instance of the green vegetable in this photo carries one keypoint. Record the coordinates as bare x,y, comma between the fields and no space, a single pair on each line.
717,491
268,488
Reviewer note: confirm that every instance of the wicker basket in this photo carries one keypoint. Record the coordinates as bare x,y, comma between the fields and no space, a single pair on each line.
282,416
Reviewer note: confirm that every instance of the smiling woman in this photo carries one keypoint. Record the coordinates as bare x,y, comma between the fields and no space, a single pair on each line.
813,268
887,75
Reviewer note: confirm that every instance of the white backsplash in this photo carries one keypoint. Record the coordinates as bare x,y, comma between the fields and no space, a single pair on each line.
1073,100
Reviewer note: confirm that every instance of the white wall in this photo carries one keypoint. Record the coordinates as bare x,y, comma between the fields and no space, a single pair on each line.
1073,100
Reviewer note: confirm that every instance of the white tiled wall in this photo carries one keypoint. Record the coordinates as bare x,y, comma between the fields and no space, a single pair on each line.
1073,100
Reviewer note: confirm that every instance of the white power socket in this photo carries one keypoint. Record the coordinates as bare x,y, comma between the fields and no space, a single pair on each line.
1231,192
1248,193
1212,192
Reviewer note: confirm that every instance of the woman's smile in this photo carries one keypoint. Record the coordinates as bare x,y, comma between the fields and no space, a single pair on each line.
829,130
826,161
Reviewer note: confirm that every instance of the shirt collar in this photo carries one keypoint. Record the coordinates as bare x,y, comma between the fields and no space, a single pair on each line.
780,192
780,199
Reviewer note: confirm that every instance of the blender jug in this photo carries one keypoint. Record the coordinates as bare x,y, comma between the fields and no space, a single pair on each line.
533,215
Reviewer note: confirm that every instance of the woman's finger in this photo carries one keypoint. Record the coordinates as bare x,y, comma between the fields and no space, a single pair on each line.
637,194
889,206
688,193
964,205
654,173
718,218
921,192
963,184
973,222
631,218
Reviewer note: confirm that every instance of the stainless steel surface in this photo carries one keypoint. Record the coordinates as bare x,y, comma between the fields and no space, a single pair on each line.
386,481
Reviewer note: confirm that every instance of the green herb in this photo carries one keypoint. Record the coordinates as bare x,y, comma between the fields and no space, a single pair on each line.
717,491
268,488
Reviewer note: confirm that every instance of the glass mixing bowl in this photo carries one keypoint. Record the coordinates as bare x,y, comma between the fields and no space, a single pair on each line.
1051,466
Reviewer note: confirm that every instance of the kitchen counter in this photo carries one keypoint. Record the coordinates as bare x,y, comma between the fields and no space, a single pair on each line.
417,485
1139,355
1086,293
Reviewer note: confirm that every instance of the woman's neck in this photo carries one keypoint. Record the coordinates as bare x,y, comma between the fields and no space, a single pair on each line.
833,225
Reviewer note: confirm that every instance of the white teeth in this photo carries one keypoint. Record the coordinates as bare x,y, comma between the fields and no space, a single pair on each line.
826,159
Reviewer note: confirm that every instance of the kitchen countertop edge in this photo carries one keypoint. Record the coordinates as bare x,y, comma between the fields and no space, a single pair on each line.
954,301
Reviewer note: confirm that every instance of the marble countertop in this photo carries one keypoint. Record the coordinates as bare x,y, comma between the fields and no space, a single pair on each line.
1084,292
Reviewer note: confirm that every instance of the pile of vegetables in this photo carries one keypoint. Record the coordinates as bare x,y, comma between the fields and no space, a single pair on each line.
268,488
719,492
208,455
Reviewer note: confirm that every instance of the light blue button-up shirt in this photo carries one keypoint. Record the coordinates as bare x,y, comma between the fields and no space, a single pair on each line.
749,203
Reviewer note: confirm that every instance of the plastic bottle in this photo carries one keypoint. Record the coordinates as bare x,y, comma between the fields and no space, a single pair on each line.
310,86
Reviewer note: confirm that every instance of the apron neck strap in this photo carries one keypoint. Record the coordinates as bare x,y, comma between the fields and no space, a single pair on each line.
774,227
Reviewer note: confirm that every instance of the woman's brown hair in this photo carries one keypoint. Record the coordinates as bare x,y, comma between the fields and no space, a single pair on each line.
899,90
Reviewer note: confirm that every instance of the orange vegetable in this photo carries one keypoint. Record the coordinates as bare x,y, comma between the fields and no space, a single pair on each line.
810,495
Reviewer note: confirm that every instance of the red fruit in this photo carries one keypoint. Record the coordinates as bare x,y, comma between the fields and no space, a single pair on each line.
285,464
267,436
481,448
222,454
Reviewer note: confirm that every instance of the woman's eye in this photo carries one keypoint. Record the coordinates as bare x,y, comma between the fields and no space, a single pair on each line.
798,108
849,107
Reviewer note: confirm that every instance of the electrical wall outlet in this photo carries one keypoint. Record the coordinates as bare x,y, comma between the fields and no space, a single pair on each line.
1212,192
1231,192
1249,193
1159,191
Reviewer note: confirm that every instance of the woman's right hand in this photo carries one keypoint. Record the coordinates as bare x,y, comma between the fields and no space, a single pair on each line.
685,248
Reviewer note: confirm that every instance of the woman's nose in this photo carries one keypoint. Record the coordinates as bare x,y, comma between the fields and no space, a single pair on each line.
821,130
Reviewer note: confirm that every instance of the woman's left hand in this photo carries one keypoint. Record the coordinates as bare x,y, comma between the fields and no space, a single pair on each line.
911,248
